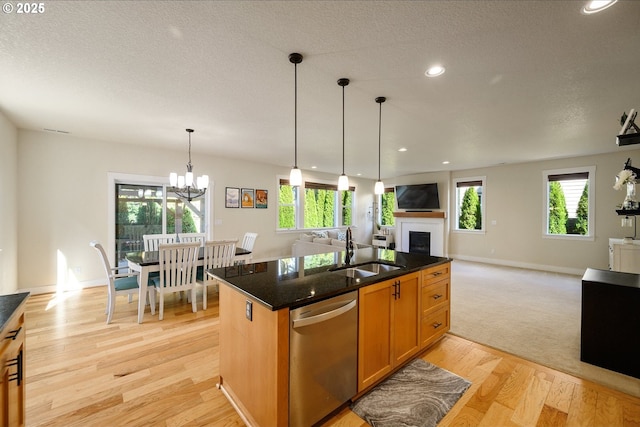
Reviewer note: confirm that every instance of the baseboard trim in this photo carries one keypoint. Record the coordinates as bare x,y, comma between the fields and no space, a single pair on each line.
52,289
530,266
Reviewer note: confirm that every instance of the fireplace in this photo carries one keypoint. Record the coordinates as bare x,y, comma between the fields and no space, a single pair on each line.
428,222
420,242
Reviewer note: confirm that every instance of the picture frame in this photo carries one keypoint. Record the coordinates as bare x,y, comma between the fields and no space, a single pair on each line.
262,199
247,198
232,197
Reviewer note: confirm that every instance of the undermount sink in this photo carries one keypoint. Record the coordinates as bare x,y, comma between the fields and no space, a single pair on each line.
365,270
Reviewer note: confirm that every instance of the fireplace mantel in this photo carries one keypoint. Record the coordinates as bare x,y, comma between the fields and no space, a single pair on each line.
432,222
431,214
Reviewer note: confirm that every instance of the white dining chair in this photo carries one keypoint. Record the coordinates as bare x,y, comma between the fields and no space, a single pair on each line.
178,270
153,241
191,237
248,241
120,283
217,254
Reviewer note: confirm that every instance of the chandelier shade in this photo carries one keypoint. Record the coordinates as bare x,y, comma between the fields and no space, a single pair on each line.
183,185
343,180
379,187
295,177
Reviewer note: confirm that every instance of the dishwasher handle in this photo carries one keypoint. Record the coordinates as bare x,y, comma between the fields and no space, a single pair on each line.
299,323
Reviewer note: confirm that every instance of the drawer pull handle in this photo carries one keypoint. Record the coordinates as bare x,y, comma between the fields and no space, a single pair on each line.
14,334
436,296
17,376
437,273
437,325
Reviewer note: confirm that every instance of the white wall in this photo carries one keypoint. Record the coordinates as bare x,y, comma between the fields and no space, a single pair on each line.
63,183
8,207
514,200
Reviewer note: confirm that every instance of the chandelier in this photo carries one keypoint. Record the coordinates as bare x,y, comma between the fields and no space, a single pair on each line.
184,186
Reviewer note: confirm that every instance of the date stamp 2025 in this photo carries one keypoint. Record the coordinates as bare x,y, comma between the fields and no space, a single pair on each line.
27,8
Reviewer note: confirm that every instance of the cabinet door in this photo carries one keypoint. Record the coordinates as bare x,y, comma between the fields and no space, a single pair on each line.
374,337
405,314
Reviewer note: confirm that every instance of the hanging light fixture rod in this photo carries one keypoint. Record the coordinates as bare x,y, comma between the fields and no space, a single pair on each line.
343,180
379,187
295,177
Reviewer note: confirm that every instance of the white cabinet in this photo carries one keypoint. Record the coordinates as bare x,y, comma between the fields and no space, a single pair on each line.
624,255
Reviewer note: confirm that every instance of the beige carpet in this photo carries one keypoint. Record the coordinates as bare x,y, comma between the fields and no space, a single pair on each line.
532,314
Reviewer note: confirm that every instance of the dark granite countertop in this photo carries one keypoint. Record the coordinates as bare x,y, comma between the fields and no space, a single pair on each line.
8,305
294,282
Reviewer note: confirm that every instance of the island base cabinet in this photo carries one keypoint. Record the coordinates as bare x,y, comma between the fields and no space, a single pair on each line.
388,327
254,359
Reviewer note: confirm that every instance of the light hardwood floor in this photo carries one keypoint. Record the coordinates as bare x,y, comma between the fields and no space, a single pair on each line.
82,372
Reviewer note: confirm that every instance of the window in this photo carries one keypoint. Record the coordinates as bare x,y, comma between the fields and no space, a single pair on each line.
569,202
386,201
141,205
322,205
470,205
287,205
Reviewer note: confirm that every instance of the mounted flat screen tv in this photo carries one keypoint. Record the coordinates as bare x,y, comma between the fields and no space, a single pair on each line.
418,197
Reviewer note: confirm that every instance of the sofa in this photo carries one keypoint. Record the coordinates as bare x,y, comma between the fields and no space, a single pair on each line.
319,242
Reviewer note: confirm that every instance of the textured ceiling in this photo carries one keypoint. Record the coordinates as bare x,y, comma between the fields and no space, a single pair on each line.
524,81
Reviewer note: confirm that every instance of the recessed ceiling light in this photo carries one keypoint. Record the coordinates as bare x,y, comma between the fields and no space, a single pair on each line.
595,6
446,162
402,150
314,167
435,71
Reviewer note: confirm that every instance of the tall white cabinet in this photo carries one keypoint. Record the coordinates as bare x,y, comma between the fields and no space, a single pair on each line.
624,255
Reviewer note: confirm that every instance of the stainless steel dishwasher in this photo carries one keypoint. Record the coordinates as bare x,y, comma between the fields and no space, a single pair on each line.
323,358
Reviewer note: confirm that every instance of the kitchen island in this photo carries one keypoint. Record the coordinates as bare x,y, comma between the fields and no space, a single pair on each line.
402,310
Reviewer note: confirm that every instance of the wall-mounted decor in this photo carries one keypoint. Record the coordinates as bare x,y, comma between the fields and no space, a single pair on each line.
262,199
232,198
247,197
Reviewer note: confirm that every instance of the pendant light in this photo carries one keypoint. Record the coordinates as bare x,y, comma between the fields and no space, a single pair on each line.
379,188
184,186
343,180
295,177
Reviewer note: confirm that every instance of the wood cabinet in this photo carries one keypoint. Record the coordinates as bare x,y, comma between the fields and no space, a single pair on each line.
12,360
388,327
435,303
254,358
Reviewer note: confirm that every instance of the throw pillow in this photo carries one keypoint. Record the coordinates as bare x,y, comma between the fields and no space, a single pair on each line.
342,235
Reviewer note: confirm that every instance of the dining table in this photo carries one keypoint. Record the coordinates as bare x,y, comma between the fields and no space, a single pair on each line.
145,262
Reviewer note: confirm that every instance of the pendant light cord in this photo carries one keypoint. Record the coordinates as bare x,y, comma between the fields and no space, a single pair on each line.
343,130
379,138
295,114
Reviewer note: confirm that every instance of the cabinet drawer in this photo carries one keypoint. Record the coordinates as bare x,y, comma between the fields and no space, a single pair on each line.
434,326
435,295
434,274
13,333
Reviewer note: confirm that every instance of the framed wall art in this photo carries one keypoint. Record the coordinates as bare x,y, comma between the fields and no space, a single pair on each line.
247,198
232,197
262,199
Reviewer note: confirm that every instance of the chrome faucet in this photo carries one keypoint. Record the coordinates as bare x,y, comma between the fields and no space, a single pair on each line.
348,247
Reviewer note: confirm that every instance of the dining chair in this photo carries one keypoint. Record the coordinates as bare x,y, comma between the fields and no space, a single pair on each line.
217,254
177,271
152,241
191,237
120,283
248,241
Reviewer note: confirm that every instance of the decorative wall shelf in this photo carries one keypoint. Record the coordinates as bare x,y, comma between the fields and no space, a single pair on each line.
438,214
